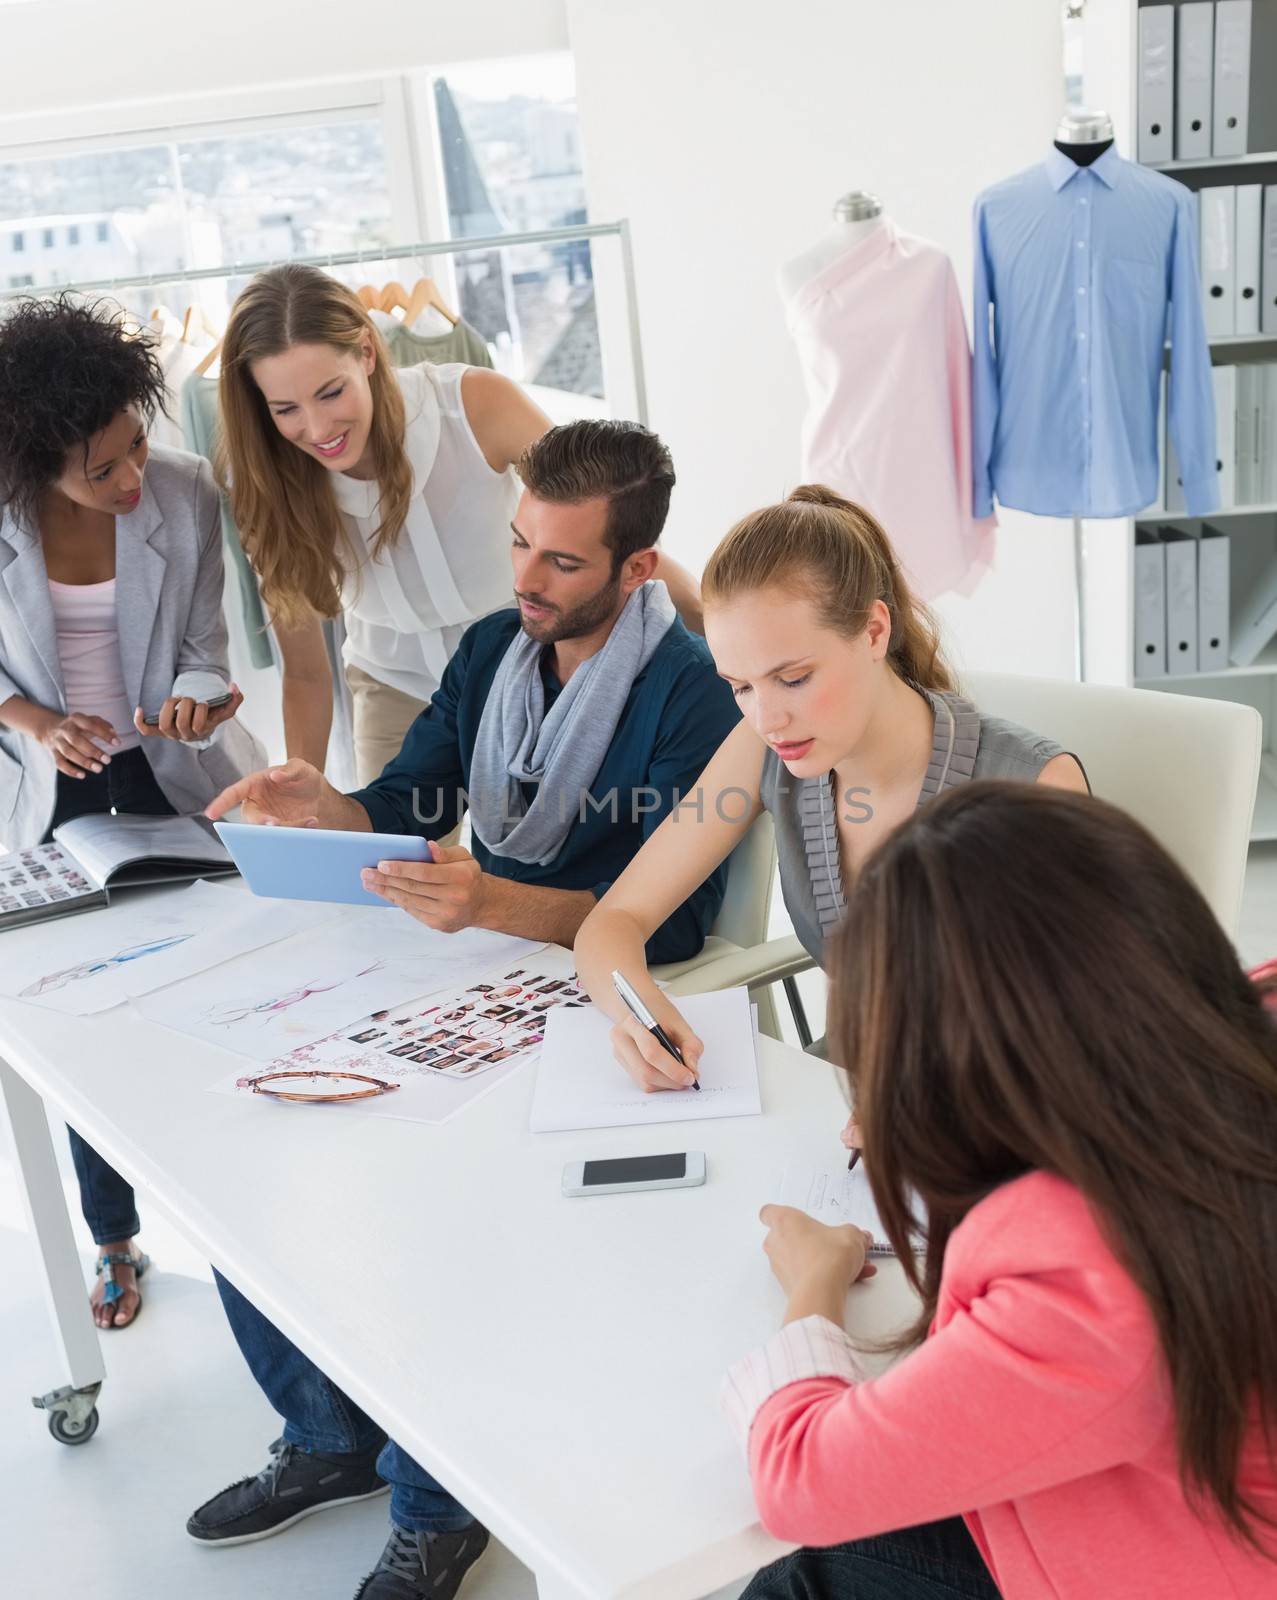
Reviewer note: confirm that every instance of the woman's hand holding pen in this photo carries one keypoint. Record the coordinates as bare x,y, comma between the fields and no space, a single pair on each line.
648,1062
814,1264
851,1140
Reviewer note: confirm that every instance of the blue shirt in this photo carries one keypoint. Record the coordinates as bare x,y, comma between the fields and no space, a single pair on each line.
1074,267
677,714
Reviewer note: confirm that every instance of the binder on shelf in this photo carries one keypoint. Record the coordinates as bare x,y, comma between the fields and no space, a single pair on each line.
1181,599
1194,80
1250,388
1268,273
1261,112
1249,208
1232,78
1218,257
1156,141
1212,599
1255,620
1150,605
1163,441
1224,380
1266,493
1173,488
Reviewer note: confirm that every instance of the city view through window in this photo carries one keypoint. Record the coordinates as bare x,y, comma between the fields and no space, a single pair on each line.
508,148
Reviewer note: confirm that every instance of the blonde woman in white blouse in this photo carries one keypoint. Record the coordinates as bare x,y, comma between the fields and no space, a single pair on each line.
382,495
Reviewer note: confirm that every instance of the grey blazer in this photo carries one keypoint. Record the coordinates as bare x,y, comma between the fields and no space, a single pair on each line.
169,581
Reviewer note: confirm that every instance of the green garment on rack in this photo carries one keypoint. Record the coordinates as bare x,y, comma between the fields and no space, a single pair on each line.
463,343
199,429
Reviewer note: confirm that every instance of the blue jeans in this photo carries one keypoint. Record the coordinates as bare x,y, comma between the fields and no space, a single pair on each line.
935,1561
128,784
318,1416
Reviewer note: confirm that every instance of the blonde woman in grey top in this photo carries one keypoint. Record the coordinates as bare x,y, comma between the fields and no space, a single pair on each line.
850,721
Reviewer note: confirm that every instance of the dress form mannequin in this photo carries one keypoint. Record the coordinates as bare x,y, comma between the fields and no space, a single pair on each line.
1084,136
856,215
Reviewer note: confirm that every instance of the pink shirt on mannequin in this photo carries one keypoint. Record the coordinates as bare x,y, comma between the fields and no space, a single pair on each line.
883,346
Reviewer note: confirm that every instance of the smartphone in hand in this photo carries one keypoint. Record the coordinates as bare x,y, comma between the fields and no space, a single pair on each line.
215,704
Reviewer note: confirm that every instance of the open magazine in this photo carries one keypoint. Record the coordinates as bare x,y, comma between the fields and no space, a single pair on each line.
90,856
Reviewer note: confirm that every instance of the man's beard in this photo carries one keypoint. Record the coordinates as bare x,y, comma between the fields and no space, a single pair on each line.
582,619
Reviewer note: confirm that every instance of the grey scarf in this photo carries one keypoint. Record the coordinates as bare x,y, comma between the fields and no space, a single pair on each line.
560,751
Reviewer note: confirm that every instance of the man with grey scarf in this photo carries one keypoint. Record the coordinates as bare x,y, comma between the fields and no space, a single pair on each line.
570,727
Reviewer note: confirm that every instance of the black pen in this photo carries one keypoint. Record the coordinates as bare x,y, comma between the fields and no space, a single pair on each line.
851,1164
645,1019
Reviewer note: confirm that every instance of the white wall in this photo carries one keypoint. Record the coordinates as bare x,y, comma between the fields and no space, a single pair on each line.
725,133
64,53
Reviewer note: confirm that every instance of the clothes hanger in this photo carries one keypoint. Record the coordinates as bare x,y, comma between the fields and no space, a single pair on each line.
165,325
207,360
393,296
425,292
215,350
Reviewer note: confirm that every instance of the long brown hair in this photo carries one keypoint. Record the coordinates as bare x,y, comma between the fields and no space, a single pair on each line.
280,497
818,544
1025,981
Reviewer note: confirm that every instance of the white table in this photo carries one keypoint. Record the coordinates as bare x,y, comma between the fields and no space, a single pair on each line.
555,1363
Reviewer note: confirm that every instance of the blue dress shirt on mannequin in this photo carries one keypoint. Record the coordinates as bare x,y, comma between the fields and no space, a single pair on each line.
1074,271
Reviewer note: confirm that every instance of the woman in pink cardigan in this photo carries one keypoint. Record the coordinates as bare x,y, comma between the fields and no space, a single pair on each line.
1083,1103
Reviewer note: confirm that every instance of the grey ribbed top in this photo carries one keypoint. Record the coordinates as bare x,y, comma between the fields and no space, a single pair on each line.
966,745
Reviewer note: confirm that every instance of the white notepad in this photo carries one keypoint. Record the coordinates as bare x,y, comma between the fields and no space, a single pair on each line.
581,1085
835,1196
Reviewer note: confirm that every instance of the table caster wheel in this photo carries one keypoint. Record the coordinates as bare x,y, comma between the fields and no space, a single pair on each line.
73,1413
68,1431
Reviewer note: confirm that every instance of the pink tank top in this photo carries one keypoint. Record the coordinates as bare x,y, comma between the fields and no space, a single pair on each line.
89,648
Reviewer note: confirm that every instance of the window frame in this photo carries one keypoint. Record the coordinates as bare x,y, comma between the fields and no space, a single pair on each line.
171,122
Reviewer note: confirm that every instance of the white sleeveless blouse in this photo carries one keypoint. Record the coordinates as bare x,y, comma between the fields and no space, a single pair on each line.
406,611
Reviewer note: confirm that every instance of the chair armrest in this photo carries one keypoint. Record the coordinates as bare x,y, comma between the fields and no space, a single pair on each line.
755,967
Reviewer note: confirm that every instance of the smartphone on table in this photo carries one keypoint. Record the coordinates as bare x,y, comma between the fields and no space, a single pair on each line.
628,1174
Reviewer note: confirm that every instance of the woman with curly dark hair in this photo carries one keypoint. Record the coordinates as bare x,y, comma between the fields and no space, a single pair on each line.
110,610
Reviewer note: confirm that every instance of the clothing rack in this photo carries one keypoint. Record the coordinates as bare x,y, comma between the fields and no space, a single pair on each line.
372,255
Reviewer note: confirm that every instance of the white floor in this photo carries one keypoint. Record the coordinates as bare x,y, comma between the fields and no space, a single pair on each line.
181,1418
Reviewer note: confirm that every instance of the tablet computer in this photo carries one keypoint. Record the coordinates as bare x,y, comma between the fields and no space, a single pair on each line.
314,863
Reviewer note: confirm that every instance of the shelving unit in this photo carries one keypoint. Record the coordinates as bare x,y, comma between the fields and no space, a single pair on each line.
1263,664
1110,83
1209,163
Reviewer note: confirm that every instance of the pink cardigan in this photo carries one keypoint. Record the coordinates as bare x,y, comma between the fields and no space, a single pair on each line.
1039,1408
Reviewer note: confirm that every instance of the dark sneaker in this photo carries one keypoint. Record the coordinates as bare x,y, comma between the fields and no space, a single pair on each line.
423,1566
293,1484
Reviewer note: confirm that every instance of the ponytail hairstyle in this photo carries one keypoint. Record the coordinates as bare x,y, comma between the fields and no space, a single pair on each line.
281,499
821,545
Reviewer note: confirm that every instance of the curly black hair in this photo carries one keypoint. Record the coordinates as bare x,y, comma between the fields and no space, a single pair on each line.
67,369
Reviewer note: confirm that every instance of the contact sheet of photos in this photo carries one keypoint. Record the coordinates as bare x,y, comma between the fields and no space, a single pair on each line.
43,875
464,1034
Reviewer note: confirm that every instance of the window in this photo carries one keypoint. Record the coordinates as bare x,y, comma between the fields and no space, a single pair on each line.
199,202
19,242
298,192
24,280
511,153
